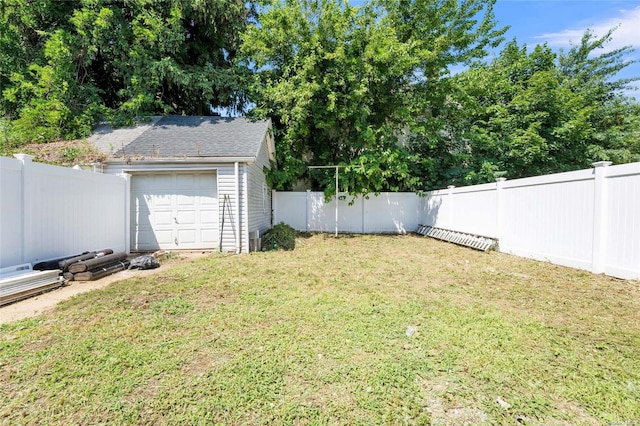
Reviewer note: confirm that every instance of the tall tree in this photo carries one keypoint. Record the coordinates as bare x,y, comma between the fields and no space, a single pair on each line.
615,119
343,83
64,63
529,113
25,28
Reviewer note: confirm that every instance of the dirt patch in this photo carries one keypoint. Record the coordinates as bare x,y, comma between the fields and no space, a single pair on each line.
435,393
39,304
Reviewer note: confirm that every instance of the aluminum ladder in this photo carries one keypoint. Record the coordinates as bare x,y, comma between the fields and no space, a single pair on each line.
477,242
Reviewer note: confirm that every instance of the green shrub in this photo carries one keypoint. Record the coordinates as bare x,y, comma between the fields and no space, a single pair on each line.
281,236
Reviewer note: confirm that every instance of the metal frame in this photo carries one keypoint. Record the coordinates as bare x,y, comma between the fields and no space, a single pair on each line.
477,242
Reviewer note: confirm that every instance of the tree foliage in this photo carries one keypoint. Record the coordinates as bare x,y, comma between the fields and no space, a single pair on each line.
65,63
369,88
529,113
342,83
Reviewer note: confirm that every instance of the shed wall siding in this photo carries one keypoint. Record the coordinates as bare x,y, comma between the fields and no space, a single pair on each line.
258,193
227,187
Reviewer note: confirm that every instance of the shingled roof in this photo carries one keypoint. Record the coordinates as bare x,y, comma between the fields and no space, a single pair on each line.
180,136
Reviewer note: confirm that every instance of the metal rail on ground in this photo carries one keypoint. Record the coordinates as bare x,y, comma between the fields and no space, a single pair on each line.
477,242
14,287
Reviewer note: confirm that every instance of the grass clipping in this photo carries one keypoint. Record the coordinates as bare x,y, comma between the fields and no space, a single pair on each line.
280,237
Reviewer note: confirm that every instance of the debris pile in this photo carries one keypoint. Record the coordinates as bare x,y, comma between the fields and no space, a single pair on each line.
102,264
22,281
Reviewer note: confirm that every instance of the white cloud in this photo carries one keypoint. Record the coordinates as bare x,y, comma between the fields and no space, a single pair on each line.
627,33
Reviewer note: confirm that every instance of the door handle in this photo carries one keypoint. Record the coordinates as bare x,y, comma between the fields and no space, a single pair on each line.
175,240
175,221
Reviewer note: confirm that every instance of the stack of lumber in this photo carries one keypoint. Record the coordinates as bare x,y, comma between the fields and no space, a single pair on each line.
100,265
21,281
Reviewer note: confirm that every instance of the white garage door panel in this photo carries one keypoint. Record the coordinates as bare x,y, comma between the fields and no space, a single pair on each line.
163,237
208,234
208,202
188,198
159,200
162,218
187,236
186,217
208,217
149,238
174,211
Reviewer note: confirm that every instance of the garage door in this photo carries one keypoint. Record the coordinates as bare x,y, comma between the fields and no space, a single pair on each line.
174,211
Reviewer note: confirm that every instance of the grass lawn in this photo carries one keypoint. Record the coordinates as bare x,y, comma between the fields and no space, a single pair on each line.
356,330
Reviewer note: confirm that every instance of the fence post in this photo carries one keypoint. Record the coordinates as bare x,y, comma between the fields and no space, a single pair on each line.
499,208
363,216
127,211
450,189
598,249
274,208
25,248
306,211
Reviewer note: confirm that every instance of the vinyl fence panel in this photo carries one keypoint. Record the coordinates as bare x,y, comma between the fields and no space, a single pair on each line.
392,212
50,211
439,209
385,213
321,216
290,209
474,209
550,218
588,219
622,221
11,250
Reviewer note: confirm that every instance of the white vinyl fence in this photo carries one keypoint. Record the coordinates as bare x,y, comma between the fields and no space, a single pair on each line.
588,219
388,212
48,211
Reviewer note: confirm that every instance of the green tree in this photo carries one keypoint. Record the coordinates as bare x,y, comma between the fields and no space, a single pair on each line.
37,70
614,134
64,64
343,83
533,113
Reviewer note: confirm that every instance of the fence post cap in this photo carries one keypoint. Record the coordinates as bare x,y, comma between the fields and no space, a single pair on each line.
451,186
25,158
501,179
602,164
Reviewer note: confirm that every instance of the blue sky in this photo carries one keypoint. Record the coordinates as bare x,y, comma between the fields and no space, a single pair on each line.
562,22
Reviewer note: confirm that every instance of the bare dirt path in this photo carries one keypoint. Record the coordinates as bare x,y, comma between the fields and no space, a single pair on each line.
41,303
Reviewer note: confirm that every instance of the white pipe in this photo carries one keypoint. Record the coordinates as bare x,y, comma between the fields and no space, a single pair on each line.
237,209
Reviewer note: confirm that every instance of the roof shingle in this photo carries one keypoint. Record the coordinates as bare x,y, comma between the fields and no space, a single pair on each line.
180,136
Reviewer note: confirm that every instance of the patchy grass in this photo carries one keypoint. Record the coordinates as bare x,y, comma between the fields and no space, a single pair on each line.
355,330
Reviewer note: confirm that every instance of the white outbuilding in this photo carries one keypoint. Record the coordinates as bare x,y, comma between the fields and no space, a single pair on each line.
195,182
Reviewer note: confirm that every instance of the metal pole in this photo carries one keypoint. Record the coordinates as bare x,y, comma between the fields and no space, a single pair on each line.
329,167
336,201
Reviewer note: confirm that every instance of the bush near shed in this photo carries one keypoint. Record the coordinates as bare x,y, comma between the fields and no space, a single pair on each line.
281,236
